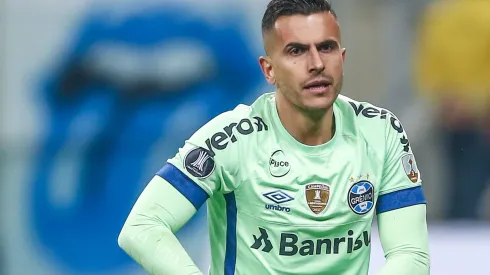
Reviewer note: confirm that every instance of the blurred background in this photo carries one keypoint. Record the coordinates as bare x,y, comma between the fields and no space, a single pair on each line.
95,96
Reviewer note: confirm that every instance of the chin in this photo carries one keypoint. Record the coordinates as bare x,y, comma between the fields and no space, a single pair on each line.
319,104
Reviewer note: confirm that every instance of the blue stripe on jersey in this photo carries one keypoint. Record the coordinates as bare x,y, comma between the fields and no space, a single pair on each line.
185,185
231,218
400,199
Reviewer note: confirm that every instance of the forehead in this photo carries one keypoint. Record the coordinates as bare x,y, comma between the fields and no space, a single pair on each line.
307,29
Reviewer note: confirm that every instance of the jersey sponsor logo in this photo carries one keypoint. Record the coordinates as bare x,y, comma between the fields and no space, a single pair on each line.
262,241
371,112
361,197
221,139
199,163
278,197
279,166
410,167
317,195
291,245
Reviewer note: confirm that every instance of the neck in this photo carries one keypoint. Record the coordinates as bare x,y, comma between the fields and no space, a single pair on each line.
308,127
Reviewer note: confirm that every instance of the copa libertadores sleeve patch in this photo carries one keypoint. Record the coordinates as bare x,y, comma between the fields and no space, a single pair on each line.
199,163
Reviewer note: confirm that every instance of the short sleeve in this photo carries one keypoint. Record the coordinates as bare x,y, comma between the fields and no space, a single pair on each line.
401,182
204,165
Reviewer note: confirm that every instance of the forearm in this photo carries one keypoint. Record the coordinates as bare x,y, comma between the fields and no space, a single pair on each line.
404,238
147,235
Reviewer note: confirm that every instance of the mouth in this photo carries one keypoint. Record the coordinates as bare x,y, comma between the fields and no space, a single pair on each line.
318,86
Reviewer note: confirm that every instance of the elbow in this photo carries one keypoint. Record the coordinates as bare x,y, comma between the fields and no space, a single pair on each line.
131,241
133,233
419,257
137,233
131,236
422,263
416,262
124,239
423,260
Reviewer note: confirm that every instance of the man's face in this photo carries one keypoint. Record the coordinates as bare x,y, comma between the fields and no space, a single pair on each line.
305,60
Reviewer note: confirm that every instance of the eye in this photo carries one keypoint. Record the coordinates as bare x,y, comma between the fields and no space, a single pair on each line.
295,51
327,47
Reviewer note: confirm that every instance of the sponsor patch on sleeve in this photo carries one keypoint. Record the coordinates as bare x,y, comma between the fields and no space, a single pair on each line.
410,167
199,163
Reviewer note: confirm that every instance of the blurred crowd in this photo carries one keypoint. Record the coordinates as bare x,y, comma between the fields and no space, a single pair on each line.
122,90
452,71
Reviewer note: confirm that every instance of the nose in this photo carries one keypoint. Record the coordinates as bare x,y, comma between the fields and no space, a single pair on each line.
316,64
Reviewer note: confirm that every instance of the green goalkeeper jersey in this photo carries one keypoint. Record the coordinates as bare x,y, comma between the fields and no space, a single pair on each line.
277,206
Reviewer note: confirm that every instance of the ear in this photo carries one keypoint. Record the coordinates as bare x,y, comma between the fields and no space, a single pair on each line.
343,54
267,70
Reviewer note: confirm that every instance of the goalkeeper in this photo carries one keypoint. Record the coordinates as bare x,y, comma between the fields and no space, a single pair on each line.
293,181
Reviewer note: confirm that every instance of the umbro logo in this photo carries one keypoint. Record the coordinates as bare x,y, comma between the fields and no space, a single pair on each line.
278,196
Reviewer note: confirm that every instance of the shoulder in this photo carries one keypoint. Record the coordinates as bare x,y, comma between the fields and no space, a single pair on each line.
368,120
233,126
211,155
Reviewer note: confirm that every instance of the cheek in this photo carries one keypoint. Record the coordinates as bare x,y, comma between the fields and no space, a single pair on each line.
335,67
339,63
294,69
290,73
284,73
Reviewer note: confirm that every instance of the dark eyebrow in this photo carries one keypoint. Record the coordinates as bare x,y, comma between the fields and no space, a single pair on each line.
328,42
296,45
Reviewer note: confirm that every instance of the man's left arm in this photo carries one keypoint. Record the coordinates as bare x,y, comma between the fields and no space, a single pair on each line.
401,208
404,238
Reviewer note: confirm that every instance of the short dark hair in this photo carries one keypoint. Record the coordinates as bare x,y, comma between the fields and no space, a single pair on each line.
278,8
